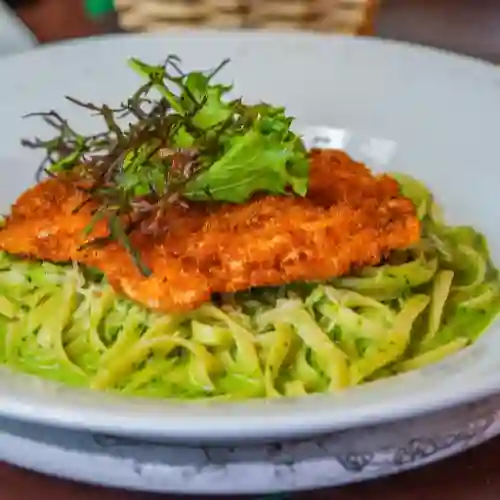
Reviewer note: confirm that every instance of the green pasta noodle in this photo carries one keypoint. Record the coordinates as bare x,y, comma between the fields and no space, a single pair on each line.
67,324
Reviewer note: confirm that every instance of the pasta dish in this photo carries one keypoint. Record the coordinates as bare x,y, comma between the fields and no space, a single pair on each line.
195,249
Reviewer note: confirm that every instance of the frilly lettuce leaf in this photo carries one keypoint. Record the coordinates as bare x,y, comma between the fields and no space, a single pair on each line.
252,163
245,149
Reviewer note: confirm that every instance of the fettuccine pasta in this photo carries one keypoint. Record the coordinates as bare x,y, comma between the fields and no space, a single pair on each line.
66,323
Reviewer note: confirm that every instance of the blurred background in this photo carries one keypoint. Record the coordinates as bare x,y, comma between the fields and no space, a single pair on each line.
467,26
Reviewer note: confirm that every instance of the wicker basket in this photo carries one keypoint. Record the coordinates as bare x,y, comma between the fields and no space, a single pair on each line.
344,16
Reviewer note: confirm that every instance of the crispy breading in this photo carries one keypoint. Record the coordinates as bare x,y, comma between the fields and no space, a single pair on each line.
349,219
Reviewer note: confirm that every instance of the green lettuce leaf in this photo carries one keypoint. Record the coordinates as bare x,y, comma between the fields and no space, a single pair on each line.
244,149
253,162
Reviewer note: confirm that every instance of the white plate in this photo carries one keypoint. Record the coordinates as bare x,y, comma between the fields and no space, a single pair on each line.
330,460
405,108
14,35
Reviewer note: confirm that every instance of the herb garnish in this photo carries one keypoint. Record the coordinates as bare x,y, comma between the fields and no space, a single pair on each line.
191,143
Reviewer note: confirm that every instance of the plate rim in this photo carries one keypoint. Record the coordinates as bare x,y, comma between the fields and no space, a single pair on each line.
249,33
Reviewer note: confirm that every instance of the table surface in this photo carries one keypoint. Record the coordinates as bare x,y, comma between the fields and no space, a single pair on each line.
467,26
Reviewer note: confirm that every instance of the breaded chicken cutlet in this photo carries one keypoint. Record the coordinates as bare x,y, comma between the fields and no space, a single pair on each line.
349,219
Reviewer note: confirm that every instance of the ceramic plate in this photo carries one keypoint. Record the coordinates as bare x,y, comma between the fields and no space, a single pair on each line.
410,109
330,460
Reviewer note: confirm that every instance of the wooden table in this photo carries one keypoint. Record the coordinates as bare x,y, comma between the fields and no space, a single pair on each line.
468,26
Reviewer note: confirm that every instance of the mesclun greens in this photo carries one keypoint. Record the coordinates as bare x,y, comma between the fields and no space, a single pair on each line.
192,143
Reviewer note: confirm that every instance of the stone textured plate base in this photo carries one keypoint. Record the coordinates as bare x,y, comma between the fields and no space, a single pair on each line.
332,460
